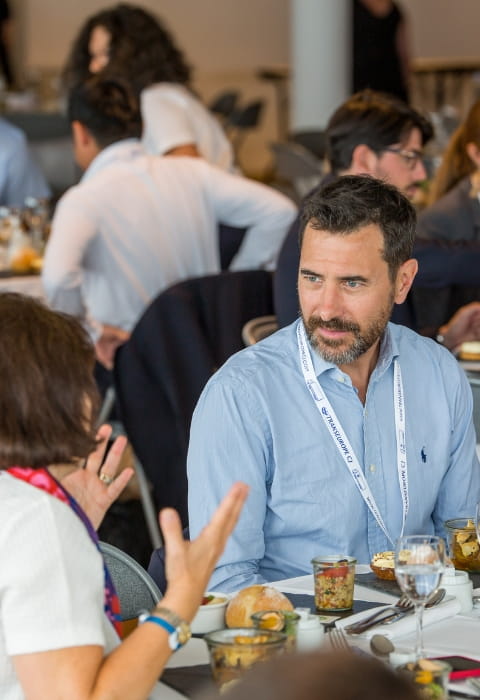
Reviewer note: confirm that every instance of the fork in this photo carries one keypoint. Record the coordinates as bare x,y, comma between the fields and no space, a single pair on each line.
338,641
403,604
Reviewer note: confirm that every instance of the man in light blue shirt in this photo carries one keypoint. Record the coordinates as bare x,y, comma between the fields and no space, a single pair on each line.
20,176
348,429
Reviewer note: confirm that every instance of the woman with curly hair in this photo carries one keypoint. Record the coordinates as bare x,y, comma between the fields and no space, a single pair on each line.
127,41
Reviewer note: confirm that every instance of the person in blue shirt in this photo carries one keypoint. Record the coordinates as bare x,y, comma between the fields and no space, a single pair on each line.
20,176
349,429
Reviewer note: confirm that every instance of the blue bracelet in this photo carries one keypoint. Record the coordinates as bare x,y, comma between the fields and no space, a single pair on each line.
159,621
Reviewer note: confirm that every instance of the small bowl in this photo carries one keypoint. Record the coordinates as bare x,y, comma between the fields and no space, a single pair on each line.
387,573
463,546
210,616
234,650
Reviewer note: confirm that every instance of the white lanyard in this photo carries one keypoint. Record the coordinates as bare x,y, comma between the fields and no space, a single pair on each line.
341,441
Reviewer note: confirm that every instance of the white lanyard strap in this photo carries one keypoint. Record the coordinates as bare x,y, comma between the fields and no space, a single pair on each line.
340,438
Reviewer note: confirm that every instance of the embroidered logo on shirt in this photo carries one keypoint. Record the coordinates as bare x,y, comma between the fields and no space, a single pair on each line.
423,455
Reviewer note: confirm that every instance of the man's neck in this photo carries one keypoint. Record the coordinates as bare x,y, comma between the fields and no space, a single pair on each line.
361,369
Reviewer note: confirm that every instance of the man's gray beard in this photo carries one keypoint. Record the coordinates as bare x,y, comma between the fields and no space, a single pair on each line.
361,341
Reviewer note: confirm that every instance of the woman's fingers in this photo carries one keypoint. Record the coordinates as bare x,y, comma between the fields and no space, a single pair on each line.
225,517
114,456
95,459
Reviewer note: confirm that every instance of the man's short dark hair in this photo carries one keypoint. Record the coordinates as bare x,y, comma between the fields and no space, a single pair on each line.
107,107
49,399
354,201
374,119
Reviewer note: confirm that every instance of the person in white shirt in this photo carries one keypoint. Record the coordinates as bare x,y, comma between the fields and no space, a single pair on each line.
137,224
127,40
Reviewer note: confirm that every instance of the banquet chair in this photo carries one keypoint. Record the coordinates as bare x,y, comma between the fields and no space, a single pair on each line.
259,328
297,166
144,488
186,333
136,590
224,104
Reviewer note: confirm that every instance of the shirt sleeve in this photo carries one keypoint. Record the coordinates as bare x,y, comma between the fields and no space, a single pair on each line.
234,450
460,489
266,213
51,581
73,228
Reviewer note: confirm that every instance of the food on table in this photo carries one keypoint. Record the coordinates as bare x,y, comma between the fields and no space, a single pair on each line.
463,544
470,350
430,677
383,565
334,579
253,599
233,651
280,621
211,599
24,260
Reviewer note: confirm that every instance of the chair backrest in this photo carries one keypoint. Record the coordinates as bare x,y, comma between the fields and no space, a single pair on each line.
297,166
224,104
259,328
136,589
187,333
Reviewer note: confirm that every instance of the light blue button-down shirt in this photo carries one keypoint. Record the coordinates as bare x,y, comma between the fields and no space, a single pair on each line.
20,176
257,422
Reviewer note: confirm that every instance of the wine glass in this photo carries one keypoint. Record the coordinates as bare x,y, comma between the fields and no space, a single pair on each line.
419,564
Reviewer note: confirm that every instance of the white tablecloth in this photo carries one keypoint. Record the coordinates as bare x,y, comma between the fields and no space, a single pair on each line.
23,284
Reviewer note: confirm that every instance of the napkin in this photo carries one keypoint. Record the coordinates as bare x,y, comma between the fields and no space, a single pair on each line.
406,625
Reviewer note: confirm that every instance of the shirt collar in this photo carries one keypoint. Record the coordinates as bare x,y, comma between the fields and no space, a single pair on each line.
125,149
388,352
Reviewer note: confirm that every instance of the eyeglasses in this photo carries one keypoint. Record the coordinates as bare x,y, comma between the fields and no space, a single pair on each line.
411,158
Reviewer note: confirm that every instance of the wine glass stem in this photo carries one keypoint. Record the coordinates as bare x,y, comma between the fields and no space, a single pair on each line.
419,653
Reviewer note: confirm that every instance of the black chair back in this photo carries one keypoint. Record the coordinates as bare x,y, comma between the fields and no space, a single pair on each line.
187,333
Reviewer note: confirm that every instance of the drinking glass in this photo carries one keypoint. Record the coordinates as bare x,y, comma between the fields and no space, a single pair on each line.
419,564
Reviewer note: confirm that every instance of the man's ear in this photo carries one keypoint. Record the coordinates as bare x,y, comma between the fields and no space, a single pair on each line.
405,276
363,160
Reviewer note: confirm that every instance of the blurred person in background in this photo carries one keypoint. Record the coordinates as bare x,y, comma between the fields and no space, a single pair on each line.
5,42
453,220
20,176
59,617
380,47
369,134
127,41
137,223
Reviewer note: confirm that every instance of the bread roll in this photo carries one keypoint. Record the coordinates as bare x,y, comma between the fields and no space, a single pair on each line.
253,599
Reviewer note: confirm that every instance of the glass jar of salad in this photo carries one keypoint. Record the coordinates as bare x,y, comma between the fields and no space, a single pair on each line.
334,577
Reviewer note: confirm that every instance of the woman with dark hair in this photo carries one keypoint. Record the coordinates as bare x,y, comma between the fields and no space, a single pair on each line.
127,41
59,610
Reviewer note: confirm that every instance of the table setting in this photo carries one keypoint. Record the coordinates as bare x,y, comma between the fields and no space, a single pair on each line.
415,608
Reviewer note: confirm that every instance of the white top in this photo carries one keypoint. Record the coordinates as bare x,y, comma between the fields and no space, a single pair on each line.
173,116
51,580
137,224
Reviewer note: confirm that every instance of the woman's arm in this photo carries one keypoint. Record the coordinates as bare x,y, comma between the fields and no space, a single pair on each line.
132,669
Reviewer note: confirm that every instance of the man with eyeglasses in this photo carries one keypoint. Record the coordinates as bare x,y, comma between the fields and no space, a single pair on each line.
370,134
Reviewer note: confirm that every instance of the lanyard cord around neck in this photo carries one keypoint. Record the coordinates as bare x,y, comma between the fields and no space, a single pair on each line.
340,438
